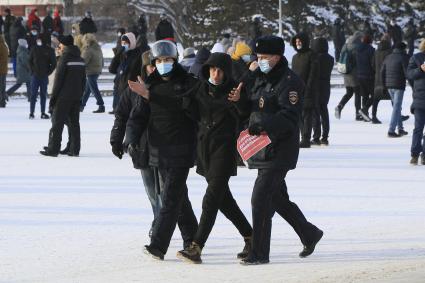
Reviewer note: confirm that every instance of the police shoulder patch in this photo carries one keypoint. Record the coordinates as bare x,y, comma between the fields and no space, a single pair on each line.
293,97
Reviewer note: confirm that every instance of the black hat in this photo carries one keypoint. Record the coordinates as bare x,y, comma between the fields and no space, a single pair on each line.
219,60
270,44
400,45
66,40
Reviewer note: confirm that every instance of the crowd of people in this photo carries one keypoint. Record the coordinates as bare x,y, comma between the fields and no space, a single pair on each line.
171,115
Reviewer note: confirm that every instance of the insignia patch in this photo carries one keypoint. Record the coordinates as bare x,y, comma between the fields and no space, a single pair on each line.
261,103
293,97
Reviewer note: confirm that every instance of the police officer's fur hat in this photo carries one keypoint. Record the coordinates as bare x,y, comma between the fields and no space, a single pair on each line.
270,44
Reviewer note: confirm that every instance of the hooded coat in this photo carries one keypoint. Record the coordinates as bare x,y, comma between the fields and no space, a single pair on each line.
92,55
42,61
304,64
352,44
218,121
415,73
201,57
364,61
164,30
48,24
325,66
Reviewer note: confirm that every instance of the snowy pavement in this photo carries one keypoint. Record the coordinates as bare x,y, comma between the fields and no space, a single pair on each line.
86,219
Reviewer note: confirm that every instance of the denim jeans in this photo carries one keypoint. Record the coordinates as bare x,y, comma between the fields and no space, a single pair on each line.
91,87
16,86
37,83
151,181
397,99
418,137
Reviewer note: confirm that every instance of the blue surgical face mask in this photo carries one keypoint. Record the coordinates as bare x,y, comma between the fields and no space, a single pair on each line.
246,58
264,66
33,32
211,81
164,68
126,47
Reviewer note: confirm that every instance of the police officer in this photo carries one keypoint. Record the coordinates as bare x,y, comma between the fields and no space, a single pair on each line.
171,142
276,105
68,89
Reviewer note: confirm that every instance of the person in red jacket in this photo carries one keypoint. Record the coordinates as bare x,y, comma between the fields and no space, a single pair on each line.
57,22
33,19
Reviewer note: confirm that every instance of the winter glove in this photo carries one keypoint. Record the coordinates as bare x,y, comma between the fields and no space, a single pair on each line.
255,129
133,149
118,150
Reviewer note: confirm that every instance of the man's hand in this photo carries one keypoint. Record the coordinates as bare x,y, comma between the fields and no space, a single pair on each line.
255,129
139,87
253,66
117,150
235,94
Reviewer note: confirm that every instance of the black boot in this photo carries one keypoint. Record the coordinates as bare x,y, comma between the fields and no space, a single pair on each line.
154,252
101,109
31,116
375,120
251,260
305,144
315,142
65,151
364,115
309,248
191,254
415,160
44,116
48,153
324,141
244,253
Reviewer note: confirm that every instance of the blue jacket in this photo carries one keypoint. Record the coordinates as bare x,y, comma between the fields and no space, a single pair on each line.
415,73
364,60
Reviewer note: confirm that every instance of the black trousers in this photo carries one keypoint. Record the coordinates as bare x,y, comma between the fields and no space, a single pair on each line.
65,112
366,88
219,197
307,123
321,121
175,207
349,94
270,195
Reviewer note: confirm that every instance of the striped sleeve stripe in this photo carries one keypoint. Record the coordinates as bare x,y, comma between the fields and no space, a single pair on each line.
75,64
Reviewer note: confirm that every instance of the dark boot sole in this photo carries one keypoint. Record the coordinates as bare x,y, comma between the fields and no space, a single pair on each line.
313,248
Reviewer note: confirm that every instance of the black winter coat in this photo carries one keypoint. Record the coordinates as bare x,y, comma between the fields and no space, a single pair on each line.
396,33
87,25
415,73
304,64
170,129
127,66
201,57
128,100
42,61
364,61
325,64
384,49
17,31
394,70
338,35
70,77
239,70
280,93
218,121
48,24
164,30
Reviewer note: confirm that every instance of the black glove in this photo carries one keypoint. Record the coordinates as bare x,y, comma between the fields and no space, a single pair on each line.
133,149
255,129
117,150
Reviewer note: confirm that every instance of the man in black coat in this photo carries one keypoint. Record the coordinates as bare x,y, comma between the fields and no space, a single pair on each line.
87,24
323,91
410,35
276,105
171,141
394,75
304,64
42,62
395,32
9,19
338,37
416,73
47,23
216,104
70,79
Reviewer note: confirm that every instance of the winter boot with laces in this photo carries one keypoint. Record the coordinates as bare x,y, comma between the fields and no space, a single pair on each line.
101,109
192,254
414,160
244,253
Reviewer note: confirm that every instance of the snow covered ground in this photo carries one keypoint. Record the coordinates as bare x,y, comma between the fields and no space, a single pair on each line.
86,219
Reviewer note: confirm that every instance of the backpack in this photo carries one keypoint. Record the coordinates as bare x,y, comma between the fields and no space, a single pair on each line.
346,61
